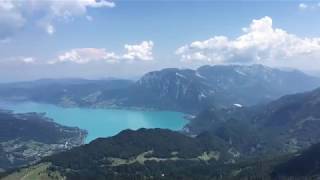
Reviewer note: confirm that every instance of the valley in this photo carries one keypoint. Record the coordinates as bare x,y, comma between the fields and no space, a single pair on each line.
159,90
239,133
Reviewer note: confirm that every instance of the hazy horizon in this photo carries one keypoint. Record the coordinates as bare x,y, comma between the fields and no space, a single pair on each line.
138,76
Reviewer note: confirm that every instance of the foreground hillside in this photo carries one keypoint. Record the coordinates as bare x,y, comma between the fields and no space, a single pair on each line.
163,154
183,90
305,164
26,138
144,153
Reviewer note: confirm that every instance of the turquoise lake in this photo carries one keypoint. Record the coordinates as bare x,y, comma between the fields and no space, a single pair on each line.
102,122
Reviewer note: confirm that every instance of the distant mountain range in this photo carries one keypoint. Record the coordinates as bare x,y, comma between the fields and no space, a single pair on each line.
65,92
26,138
170,89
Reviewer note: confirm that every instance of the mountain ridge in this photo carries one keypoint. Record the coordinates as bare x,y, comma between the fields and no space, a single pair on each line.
288,124
184,90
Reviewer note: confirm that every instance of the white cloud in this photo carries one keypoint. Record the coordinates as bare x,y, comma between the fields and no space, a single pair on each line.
259,43
28,60
309,6
15,14
86,55
141,51
50,29
18,60
303,6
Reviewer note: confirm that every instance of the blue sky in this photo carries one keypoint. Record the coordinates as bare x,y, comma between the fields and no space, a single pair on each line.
70,42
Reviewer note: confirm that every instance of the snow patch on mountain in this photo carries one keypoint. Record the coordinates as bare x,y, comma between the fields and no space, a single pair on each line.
180,75
238,105
201,96
241,72
199,75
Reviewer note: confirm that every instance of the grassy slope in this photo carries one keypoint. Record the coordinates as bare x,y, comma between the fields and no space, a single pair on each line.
37,172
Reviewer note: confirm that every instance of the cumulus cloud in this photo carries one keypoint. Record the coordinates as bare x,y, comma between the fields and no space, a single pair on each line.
15,14
18,60
86,55
303,6
50,29
309,6
28,60
259,43
142,52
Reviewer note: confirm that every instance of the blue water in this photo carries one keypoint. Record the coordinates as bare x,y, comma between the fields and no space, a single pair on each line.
102,122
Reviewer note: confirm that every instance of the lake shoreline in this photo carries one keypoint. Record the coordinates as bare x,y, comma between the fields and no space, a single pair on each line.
115,107
106,120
